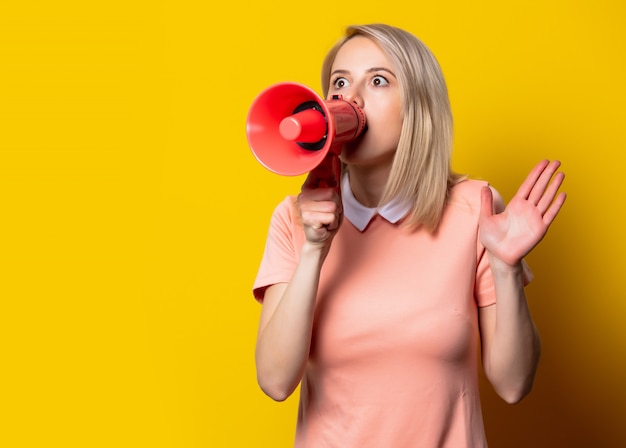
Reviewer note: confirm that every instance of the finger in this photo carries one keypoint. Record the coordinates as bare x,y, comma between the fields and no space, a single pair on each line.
320,200
318,219
551,192
542,183
527,186
318,195
554,209
321,219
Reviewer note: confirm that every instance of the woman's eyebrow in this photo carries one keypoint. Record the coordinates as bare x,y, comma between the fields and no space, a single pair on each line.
381,69
370,70
339,72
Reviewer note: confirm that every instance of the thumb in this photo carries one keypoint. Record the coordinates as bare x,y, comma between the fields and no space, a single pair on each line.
486,202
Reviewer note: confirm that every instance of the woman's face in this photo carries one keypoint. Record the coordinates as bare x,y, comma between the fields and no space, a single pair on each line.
362,73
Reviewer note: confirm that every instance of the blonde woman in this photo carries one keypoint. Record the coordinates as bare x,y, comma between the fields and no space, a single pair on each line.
376,299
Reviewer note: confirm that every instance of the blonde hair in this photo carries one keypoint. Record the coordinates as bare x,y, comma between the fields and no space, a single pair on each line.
420,174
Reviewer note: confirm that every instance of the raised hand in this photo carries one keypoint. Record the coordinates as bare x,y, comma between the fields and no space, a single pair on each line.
510,234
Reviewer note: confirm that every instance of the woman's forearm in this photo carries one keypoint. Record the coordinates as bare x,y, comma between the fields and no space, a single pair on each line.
286,324
514,348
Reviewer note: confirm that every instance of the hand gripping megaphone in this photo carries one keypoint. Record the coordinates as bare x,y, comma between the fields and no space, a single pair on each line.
291,129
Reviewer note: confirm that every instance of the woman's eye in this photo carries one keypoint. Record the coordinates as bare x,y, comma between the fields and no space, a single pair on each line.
379,81
340,83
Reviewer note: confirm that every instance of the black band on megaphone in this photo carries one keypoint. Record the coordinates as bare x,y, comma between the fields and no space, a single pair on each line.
316,146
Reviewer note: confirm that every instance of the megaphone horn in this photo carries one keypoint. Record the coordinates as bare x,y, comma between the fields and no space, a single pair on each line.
291,129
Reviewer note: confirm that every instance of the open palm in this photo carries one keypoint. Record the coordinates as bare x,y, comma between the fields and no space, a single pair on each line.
513,232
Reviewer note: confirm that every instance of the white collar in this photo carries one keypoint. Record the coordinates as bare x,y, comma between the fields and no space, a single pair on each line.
360,215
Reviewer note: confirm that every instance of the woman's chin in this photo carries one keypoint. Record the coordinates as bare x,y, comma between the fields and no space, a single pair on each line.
352,147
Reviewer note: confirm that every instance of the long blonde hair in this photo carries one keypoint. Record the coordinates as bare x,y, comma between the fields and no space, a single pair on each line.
421,172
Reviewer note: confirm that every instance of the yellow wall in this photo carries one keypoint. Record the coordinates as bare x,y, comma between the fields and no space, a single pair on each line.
133,214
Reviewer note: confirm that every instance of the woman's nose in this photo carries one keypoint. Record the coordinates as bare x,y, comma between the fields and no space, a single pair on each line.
353,96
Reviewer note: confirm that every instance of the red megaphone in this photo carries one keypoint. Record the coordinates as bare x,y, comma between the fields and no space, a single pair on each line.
291,129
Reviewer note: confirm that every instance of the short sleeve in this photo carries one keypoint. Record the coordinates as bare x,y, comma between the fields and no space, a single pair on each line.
281,252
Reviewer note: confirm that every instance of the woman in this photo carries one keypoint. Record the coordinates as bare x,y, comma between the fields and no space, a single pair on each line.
375,300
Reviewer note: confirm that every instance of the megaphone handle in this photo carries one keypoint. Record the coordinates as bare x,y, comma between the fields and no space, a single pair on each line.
327,174
335,169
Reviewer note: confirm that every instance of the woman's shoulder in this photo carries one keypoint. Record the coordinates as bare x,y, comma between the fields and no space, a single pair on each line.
462,209
468,186
287,205
287,210
467,191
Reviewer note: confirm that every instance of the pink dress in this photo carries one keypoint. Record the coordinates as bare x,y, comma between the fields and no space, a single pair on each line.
394,356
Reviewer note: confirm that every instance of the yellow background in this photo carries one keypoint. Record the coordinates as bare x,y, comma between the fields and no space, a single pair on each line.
133,214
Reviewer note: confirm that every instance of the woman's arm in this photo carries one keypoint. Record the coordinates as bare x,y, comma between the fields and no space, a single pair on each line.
286,323
511,345
285,328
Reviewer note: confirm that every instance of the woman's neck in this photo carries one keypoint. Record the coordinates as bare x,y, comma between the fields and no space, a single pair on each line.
368,183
